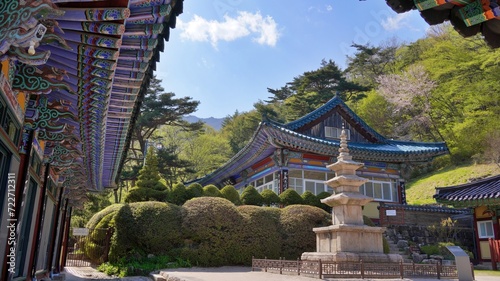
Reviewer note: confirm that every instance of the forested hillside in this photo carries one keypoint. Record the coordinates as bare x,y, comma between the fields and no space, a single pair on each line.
440,88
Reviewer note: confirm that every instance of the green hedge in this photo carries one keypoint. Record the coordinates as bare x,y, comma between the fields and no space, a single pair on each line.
210,231
210,227
297,222
260,234
231,194
144,228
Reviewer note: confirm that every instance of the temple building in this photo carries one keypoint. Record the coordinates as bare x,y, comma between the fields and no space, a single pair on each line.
73,75
295,155
483,197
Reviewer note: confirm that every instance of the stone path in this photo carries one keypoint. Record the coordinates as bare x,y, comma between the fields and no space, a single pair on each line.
225,273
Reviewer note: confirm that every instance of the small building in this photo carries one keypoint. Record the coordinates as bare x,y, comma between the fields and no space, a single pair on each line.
483,196
295,155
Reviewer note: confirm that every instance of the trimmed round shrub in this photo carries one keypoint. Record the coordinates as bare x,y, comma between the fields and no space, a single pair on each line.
297,222
310,199
97,217
146,228
270,197
290,197
194,190
211,191
231,194
259,235
210,228
250,196
323,195
142,194
178,195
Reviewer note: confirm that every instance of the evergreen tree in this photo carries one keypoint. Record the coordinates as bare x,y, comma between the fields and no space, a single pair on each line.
148,186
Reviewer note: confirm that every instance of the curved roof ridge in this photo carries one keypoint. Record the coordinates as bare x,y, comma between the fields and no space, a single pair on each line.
327,107
423,143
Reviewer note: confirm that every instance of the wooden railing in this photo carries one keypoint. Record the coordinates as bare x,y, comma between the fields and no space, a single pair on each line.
495,252
324,269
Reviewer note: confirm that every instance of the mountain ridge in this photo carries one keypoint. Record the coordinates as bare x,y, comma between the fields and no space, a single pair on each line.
213,122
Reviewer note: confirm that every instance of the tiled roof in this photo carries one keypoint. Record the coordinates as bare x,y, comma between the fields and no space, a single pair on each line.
103,54
270,135
326,109
482,192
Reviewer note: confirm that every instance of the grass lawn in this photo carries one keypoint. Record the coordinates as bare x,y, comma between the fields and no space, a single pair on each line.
482,272
419,191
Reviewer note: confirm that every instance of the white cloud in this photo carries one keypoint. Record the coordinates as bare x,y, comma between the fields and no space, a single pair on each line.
264,29
396,22
329,8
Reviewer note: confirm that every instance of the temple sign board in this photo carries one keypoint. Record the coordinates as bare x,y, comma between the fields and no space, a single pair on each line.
462,260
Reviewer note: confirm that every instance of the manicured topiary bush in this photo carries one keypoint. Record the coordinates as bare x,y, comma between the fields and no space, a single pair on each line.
146,228
310,199
231,194
270,197
250,196
210,228
97,217
194,190
297,222
290,197
211,191
260,235
139,194
178,195
323,195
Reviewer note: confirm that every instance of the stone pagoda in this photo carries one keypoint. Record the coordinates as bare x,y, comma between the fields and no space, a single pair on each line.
348,238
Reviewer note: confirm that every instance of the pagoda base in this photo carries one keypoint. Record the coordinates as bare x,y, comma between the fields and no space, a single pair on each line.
352,257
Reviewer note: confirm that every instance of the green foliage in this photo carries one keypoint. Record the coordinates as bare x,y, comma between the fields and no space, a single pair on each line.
211,191
239,129
323,195
137,194
194,190
142,266
310,199
259,235
290,197
313,88
210,227
231,194
207,231
297,221
385,245
438,249
250,196
420,190
97,217
97,201
149,176
178,195
270,197
146,228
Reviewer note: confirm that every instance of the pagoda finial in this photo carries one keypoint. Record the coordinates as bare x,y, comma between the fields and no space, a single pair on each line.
343,150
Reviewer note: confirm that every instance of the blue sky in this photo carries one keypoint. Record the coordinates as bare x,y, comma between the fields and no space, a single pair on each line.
226,53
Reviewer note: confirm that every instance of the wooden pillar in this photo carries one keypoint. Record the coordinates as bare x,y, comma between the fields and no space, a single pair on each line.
61,234
38,227
53,233
25,151
66,238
